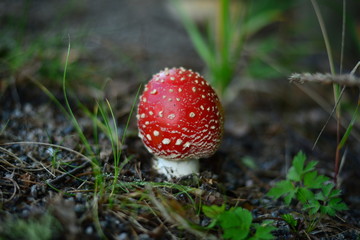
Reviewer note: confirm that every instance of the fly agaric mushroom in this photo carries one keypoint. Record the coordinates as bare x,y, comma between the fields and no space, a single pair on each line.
180,120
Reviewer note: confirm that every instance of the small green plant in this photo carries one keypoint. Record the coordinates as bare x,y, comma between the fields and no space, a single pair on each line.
291,221
317,196
42,228
237,223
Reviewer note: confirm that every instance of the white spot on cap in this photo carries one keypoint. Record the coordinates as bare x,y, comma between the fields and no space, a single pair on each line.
148,137
182,79
212,127
147,123
178,142
144,99
154,91
161,113
143,115
192,115
178,99
156,133
194,89
202,107
187,144
203,96
171,116
171,90
180,90
172,78
166,141
151,113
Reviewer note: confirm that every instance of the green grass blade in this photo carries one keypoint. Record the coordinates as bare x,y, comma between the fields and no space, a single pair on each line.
69,110
350,127
117,172
325,35
198,40
225,31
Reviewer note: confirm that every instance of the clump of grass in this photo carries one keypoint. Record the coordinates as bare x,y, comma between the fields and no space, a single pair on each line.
104,120
221,48
43,228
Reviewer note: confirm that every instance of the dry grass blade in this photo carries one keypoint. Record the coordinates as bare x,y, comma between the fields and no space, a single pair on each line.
344,79
50,145
15,186
4,150
173,216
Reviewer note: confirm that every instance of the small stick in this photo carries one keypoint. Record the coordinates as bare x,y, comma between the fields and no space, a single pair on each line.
344,79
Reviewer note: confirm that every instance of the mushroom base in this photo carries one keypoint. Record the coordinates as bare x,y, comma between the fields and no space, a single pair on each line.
176,168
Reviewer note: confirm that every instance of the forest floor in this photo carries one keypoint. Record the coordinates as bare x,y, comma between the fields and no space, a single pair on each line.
47,185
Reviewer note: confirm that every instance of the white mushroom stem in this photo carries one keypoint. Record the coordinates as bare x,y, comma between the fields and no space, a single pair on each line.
176,168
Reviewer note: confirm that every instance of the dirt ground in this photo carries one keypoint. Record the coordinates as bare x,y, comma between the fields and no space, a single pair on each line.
125,42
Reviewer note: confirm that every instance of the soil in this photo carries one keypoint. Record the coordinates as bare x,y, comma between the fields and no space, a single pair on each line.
43,172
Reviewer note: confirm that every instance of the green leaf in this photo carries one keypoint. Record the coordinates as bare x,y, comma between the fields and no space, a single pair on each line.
313,206
263,231
249,162
313,180
326,189
236,223
334,193
337,204
281,188
289,197
304,194
310,166
320,196
213,211
296,170
290,220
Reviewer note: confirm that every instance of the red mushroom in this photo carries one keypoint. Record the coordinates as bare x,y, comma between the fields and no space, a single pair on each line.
180,120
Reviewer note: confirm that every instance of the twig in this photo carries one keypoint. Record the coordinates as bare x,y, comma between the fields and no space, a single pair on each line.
4,150
344,79
16,187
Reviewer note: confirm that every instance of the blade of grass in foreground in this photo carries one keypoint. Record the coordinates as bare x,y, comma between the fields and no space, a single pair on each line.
99,179
117,167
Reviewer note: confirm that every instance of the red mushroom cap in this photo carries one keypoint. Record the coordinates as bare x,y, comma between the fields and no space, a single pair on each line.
180,116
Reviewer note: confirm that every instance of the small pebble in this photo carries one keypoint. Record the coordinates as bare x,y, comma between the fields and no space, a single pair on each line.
79,208
144,236
89,230
122,236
